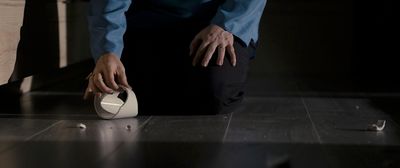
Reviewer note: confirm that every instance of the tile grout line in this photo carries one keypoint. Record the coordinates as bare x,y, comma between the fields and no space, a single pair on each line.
311,120
309,116
227,127
323,149
144,123
40,132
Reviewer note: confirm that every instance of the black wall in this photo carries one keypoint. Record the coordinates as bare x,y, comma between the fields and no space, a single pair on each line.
353,41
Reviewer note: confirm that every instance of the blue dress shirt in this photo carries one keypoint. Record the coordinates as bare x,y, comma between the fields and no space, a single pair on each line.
107,22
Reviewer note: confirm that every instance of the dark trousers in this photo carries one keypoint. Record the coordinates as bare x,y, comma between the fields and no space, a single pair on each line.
159,68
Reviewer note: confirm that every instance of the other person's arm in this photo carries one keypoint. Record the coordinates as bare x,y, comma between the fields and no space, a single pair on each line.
238,18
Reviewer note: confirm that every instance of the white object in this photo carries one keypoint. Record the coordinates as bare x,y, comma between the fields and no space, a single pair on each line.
81,126
378,126
121,104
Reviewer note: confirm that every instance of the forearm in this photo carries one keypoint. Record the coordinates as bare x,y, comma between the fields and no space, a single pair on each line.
107,25
241,18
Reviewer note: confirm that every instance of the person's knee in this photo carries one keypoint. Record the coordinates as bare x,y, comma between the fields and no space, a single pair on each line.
220,101
229,102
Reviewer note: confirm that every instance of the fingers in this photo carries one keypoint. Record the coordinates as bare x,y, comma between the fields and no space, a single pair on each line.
88,91
99,83
194,44
207,56
122,79
199,53
206,42
96,86
210,50
221,55
91,88
107,76
232,54
109,80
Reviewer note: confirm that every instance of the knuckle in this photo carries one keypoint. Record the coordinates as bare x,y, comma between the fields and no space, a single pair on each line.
121,69
109,67
214,45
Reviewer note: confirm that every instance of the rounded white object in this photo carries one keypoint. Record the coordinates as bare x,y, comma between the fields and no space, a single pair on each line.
112,106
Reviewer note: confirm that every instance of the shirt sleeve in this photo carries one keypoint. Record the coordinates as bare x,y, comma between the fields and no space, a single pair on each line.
241,18
107,25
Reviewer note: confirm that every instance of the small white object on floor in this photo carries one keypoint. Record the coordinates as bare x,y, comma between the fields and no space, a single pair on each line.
358,107
128,127
378,126
81,126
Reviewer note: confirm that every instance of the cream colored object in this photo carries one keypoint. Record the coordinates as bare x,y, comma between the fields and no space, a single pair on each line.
378,126
110,106
11,16
81,126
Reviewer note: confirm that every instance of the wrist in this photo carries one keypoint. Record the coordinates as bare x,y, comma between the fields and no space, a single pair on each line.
108,55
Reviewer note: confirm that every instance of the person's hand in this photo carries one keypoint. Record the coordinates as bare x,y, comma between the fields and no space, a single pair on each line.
206,43
107,75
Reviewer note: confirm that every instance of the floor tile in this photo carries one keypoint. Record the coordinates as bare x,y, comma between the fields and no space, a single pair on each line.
271,129
66,145
353,131
185,128
13,131
274,107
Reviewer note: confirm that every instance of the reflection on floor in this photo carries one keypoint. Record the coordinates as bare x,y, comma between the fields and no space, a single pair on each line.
270,130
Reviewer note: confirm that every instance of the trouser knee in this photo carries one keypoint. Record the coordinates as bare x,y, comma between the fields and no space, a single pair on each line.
219,101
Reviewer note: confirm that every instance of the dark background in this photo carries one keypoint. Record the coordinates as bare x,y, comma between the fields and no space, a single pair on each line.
324,45
339,45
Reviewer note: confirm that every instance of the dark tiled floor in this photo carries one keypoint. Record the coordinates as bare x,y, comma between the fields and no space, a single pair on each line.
285,128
